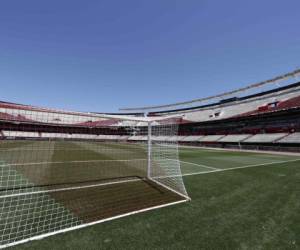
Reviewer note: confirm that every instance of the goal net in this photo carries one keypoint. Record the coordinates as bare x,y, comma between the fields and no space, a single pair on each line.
61,171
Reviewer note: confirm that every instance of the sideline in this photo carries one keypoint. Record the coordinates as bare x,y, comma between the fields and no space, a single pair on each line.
199,165
242,150
247,166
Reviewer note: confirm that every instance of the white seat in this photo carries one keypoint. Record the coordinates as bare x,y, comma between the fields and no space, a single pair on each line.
291,138
265,137
234,138
210,138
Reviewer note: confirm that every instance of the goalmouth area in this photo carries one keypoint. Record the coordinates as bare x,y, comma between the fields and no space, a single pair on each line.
61,177
64,171
240,200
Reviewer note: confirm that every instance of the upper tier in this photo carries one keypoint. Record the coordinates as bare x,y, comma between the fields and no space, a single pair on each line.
284,98
287,97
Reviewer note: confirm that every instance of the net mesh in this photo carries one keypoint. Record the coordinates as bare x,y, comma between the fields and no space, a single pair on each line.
61,170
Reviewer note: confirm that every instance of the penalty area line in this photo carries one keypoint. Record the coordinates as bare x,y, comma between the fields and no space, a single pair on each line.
66,162
195,164
69,188
242,167
199,165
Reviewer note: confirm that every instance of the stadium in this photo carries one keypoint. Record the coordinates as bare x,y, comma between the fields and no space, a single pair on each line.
220,172
149,125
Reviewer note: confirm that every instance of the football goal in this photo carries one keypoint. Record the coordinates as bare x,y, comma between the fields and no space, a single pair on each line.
62,171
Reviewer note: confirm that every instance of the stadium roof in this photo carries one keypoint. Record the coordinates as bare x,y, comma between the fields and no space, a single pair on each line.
252,87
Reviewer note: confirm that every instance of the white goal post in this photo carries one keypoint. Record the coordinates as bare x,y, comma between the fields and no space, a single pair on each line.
61,171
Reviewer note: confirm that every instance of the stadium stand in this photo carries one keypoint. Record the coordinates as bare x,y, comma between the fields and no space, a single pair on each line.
291,138
181,138
269,118
211,138
191,138
276,106
137,138
20,134
235,138
266,137
283,98
173,138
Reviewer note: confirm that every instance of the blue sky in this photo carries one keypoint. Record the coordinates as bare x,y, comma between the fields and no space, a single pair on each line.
103,55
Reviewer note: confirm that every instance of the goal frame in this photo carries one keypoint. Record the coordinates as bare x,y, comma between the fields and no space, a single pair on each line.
149,123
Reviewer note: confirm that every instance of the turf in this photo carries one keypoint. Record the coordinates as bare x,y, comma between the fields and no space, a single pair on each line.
257,207
50,186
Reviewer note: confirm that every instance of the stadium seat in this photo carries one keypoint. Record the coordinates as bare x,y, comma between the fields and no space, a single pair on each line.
192,138
211,138
266,137
234,138
291,138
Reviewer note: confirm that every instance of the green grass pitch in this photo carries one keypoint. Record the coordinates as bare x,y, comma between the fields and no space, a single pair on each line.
239,201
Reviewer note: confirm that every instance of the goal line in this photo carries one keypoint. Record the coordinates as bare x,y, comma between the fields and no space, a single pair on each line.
42,236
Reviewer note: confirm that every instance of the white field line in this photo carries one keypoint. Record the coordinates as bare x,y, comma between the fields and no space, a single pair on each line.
240,150
39,237
104,146
192,163
170,189
38,149
97,185
247,166
199,165
65,162
68,189
58,149
156,177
